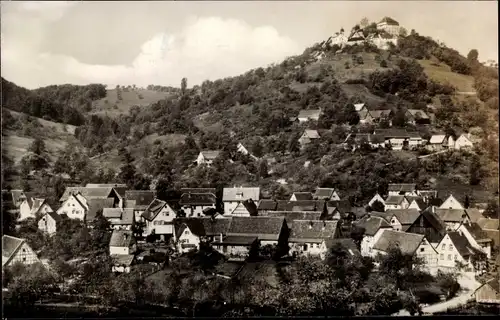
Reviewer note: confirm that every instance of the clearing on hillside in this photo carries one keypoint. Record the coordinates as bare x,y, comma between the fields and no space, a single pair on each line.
17,146
442,73
56,127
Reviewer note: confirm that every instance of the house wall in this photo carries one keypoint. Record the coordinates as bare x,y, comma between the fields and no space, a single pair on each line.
44,209
307,249
120,269
391,29
72,208
162,223
187,237
304,140
428,254
138,215
335,196
414,205
396,225
234,251
121,227
266,242
196,211
25,211
377,197
486,294
229,206
25,255
463,142
403,205
448,254
119,250
47,224
368,242
451,203
422,226
485,247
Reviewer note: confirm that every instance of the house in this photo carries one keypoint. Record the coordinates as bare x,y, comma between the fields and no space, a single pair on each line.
119,188
348,244
416,116
409,243
474,214
95,206
429,225
307,237
416,203
308,136
463,142
24,206
491,227
309,115
382,40
291,216
237,247
380,115
371,225
396,202
299,196
452,218
356,140
122,243
451,203
390,26
378,198
207,157
17,250
437,142
190,232
489,292
33,208
266,205
198,190
363,113
119,219
267,230
343,207
476,237
401,219
427,194
402,189
159,217
74,207
454,248
48,222
93,193
122,263
196,204
232,197
328,194
356,37
138,200
241,149
399,139
245,208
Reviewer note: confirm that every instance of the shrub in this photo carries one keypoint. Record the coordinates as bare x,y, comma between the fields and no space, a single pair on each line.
383,64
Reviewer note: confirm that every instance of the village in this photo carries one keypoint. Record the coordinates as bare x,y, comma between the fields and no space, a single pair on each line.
447,234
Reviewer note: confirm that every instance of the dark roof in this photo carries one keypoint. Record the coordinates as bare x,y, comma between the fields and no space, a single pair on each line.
250,206
236,240
494,284
265,228
295,215
394,200
119,216
105,185
407,242
197,199
54,216
198,190
450,215
202,226
420,201
7,196
324,193
310,113
398,187
240,194
436,202
153,209
142,197
302,205
434,220
121,238
372,224
474,214
122,259
312,230
476,231
405,216
461,243
213,227
392,133
10,245
210,154
121,190
266,204
343,205
95,205
88,193
348,244
303,196
112,213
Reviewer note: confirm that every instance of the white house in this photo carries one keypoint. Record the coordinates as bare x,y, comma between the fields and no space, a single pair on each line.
17,250
196,204
241,149
396,202
207,157
188,235
122,243
232,197
301,196
390,26
48,222
328,194
75,207
159,217
455,248
33,208
308,136
451,203
476,237
309,115
372,226
463,142
437,142
307,237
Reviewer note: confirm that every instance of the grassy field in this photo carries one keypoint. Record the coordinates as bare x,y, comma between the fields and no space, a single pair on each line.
113,107
17,146
441,73
50,126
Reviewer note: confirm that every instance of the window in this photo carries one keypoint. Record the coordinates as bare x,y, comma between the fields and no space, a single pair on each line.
443,247
186,232
450,247
24,259
24,250
456,257
421,249
449,257
304,247
441,257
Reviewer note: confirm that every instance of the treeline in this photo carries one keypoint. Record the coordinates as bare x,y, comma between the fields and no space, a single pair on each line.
59,103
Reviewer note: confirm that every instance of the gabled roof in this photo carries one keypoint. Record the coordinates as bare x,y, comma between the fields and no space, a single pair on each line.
476,232
110,213
121,238
264,228
372,224
153,209
291,216
29,196
250,206
202,226
405,216
210,154
342,205
303,196
122,259
494,284
311,113
420,202
461,244
105,185
240,194
10,245
434,220
95,205
402,187
121,191
488,224
312,230
119,216
358,106
311,134
198,190
36,205
356,36
53,215
324,193
394,200
17,195
474,214
197,199
437,139
377,114
450,215
418,114
389,21
301,205
348,244
142,197
87,193
407,242
267,204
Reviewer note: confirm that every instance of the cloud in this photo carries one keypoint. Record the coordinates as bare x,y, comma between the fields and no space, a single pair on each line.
207,48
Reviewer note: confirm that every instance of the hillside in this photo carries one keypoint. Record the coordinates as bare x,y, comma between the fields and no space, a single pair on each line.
169,127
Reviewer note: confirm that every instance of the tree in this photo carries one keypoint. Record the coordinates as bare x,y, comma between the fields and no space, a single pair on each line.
364,22
293,145
28,284
403,32
257,148
263,169
473,55
377,206
183,86
448,283
399,119
127,171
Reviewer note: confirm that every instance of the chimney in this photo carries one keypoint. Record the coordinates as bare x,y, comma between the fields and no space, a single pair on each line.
310,225
220,237
324,226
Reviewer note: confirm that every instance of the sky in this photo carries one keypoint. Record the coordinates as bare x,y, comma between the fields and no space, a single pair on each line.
147,42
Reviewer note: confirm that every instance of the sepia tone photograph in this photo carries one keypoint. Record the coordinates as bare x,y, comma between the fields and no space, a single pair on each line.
237,159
